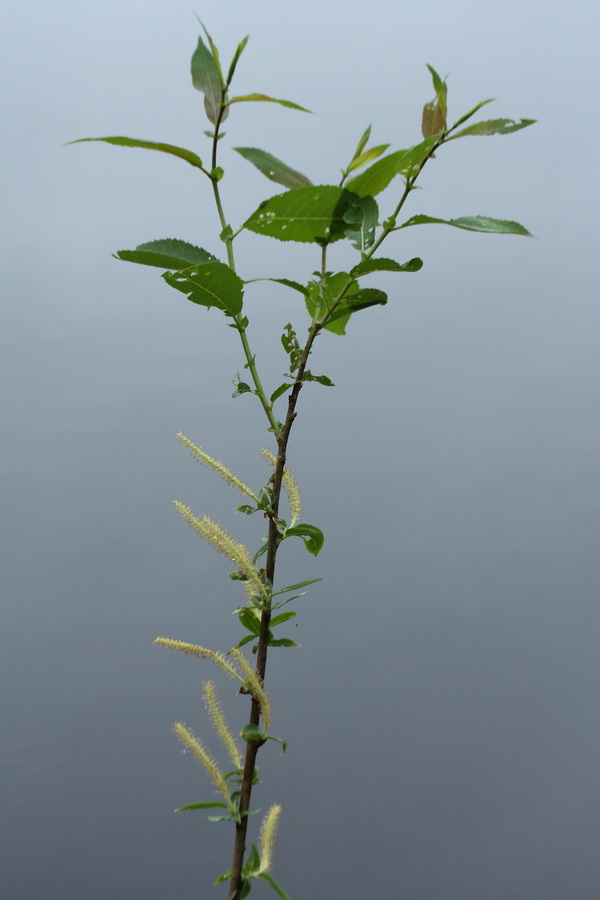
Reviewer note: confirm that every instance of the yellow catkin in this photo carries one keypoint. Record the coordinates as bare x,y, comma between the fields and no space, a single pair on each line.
222,470
197,749
290,486
201,652
266,839
254,685
223,542
219,721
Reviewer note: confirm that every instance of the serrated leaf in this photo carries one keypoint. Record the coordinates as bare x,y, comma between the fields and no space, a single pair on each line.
289,283
311,535
367,157
380,174
273,168
168,253
307,214
192,158
210,284
262,98
210,804
493,126
207,79
382,264
473,223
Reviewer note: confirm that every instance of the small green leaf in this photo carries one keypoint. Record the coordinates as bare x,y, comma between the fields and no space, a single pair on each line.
472,223
311,535
210,804
282,389
307,214
264,99
385,265
211,284
471,112
403,162
283,642
253,861
239,50
250,619
246,509
284,745
493,126
322,379
187,155
434,113
296,587
367,157
168,253
282,617
270,880
242,388
361,216
362,143
251,733
207,79
273,168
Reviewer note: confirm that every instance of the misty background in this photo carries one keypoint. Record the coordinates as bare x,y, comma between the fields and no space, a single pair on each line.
442,711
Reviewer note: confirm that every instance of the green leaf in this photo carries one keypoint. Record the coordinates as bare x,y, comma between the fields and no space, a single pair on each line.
434,113
322,379
207,79
283,642
471,112
168,253
493,126
211,284
282,389
239,50
367,157
382,264
361,216
288,283
472,223
253,861
307,214
187,155
282,617
210,804
270,737
250,620
270,880
273,168
264,99
242,388
245,640
380,174
363,142
311,535
251,733
296,587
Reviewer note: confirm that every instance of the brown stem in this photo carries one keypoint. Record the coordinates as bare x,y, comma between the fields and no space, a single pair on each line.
252,747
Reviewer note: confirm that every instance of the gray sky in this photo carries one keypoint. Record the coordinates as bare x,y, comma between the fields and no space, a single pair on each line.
442,711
